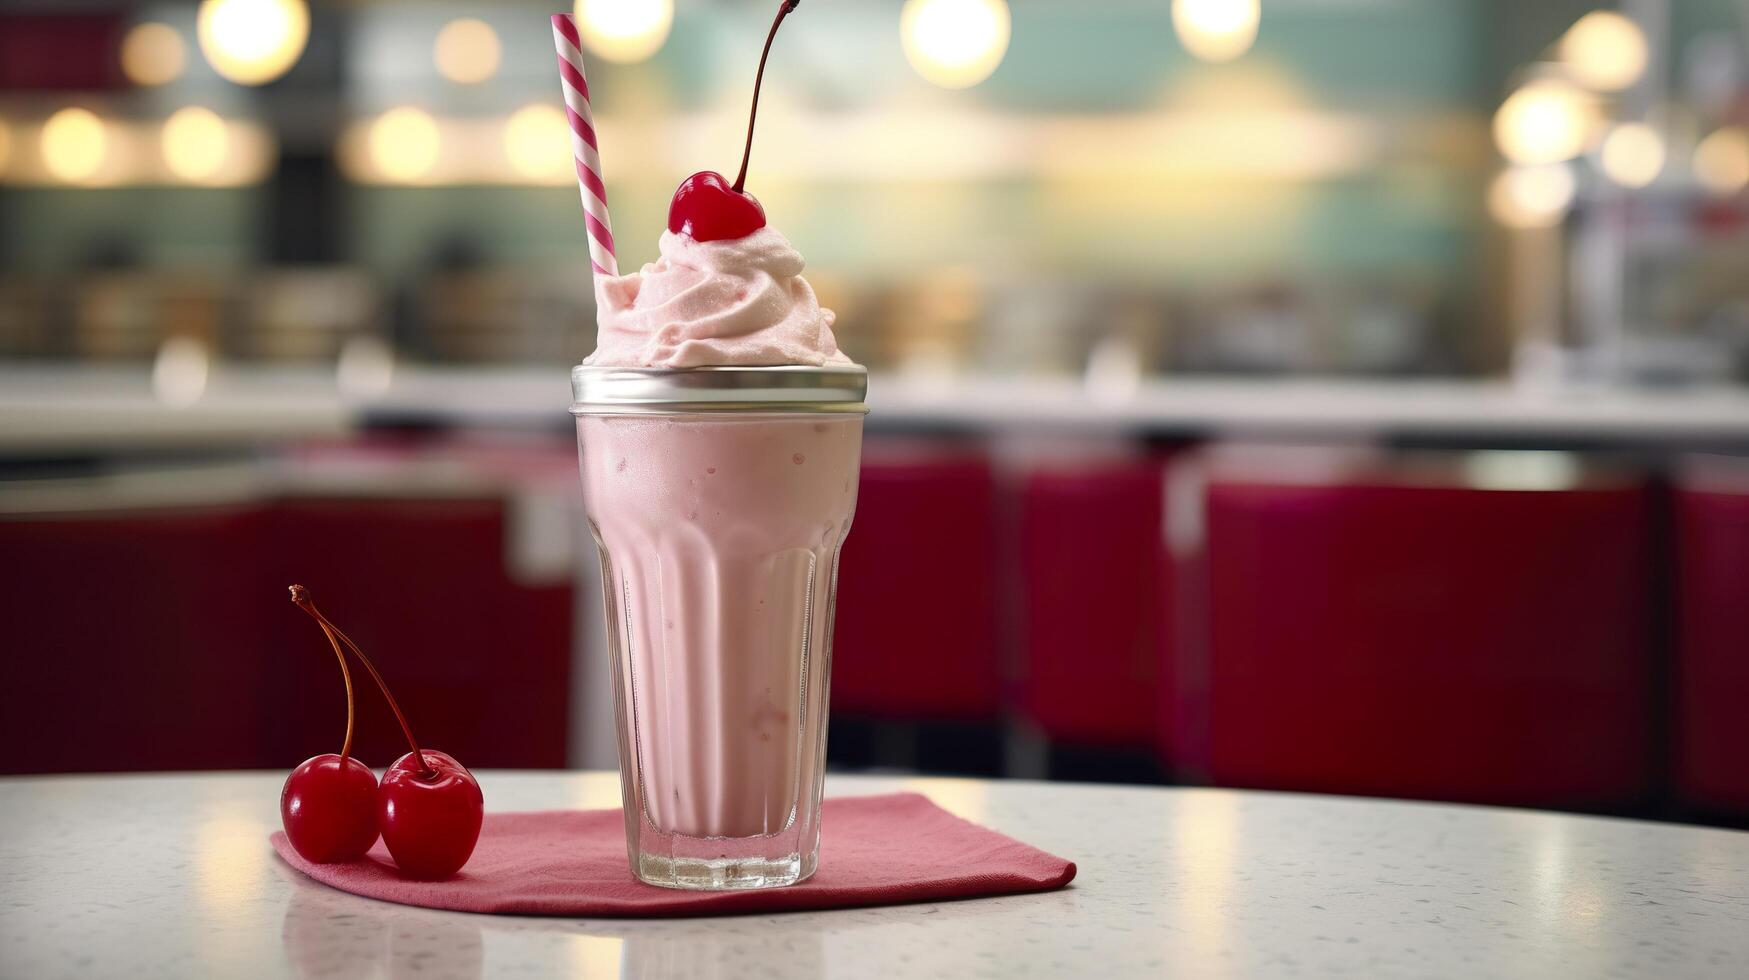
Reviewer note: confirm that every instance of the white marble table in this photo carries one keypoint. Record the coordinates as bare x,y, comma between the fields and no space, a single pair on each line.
171,876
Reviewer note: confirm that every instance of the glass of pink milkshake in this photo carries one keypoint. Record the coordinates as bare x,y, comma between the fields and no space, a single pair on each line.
720,433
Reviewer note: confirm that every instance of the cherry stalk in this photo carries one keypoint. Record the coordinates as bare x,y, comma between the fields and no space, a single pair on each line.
759,79
351,702
301,597
706,206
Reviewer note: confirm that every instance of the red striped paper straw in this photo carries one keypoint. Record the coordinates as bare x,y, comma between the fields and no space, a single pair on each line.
583,149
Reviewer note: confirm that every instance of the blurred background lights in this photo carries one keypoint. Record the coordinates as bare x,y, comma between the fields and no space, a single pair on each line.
624,30
467,51
537,142
1522,470
1633,154
73,144
404,143
179,371
1532,196
955,43
253,42
1545,121
153,54
365,368
1721,161
1216,30
1605,51
195,143
1432,218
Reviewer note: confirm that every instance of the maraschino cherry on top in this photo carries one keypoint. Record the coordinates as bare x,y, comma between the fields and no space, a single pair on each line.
727,288
706,206
428,807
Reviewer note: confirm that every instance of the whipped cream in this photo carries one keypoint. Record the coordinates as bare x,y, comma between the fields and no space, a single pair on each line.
736,302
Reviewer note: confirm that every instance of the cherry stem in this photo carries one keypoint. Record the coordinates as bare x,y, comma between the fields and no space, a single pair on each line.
346,675
753,114
301,597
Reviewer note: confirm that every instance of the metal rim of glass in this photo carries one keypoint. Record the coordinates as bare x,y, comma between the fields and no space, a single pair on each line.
601,390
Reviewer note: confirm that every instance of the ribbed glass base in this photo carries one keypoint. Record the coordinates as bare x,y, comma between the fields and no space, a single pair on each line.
722,874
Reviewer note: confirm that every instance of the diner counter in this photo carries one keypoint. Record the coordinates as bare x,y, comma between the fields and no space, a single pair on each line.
172,876
64,409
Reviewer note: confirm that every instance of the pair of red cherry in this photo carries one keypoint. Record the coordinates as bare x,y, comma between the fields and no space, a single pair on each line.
428,807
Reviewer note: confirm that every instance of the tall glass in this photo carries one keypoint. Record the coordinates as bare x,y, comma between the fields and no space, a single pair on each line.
719,499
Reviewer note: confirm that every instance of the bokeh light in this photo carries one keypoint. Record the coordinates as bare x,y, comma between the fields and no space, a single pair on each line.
195,143
1721,161
1216,30
179,371
1532,196
253,42
1522,470
537,142
1633,154
153,54
955,43
5,146
73,144
624,30
1605,51
365,368
1545,121
404,143
467,51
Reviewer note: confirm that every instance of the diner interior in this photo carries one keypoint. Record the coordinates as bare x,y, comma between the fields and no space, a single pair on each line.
1348,397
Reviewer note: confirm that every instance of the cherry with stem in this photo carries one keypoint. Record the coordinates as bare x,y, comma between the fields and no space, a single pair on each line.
706,206
328,804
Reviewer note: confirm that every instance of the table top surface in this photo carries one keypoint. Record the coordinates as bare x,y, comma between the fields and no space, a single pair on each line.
172,876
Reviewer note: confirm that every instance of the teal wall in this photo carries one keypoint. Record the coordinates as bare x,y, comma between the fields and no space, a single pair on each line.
1424,73
50,230
1401,63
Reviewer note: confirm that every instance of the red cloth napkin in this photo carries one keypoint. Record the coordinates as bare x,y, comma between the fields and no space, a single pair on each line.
874,850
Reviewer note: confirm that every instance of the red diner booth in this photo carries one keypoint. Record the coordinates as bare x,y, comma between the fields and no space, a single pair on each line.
1441,626
150,626
1712,651
916,637
1095,600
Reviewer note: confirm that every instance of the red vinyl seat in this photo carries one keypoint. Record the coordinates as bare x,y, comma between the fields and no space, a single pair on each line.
133,640
154,635
1400,631
1712,659
1095,600
916,635
481,663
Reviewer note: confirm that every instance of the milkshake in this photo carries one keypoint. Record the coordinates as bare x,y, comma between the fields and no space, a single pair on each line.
719,430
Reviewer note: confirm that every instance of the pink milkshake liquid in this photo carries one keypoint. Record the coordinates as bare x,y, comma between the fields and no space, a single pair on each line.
719,530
